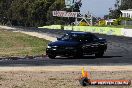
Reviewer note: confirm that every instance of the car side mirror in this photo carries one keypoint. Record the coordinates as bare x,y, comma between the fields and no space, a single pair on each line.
58,38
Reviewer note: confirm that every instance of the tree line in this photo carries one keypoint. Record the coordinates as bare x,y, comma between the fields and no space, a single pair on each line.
32,12
119,5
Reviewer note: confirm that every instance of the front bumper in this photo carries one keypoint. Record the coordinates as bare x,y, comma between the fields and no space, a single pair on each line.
63,52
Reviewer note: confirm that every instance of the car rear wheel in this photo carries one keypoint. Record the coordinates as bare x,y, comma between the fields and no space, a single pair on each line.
99,54
52,56
78,55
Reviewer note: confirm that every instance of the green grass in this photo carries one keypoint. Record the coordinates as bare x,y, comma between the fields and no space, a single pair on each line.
18,44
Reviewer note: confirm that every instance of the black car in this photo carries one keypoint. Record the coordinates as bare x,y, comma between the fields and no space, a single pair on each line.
77,44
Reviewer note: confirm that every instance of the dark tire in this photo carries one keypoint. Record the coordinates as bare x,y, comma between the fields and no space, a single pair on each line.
84,81
51,56
78,55
99,54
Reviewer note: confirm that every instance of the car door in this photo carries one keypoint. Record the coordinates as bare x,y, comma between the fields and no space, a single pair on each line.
88,45
94,43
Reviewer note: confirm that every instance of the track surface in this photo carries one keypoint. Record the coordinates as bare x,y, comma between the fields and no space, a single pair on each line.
119,52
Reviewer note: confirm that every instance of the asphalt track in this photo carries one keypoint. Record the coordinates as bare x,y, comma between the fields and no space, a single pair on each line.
119,52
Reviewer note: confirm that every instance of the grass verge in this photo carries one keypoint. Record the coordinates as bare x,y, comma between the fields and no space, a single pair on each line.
19,44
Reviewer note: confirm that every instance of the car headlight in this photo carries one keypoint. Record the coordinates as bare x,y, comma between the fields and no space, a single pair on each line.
48,46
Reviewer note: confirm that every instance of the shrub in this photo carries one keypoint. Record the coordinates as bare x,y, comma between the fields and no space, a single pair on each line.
120,19
83,24
102,23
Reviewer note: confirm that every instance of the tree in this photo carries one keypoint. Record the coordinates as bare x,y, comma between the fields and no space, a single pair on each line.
114,13
102,23
60,5
125,4
4,7
32,12
120,19
24,12
29,12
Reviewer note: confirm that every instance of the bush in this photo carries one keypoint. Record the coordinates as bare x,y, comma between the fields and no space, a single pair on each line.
120,19
83,24
102,23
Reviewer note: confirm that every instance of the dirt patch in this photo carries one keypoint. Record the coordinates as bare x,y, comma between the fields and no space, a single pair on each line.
64,79
36,34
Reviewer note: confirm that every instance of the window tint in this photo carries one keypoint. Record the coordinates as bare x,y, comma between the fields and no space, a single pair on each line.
79,37
66,37
82,37
94,37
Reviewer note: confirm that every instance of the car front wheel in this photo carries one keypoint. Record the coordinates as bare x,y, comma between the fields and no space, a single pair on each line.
99,54
51,56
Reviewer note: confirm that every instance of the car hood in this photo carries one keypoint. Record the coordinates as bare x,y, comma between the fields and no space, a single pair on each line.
63,43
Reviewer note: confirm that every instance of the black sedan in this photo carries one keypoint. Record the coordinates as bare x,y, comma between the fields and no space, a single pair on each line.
77,44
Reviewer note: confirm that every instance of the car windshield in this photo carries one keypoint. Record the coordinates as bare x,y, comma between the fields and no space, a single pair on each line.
66,37
77,37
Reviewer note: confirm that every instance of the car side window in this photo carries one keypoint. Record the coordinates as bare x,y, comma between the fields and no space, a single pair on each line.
66,37
85,38
89,38
95,38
